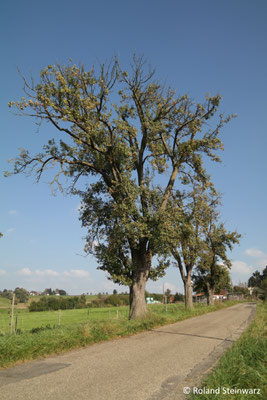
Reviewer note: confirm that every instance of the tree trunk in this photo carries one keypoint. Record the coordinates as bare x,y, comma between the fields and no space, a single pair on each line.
138,306
188,300
210,296
137,298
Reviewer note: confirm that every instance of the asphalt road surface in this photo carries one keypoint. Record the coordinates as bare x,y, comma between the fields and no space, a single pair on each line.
154,365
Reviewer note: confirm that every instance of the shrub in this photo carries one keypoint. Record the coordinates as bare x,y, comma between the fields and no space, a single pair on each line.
48,303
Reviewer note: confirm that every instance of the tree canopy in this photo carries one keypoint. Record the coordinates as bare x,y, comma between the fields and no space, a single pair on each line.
259,282
212,273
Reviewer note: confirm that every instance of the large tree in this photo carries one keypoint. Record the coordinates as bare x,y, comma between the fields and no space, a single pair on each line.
217,277
217,242
198,243
136,139
255,280
259,282
191,213
22,295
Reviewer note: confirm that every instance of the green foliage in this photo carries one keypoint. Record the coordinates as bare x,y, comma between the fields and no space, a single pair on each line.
259,282
241,290
264,289
212,273
22,295
109,301
48,303
156,296
168,295
198,242
178,297
191,216
255,279
7,294
217,277
40,329
49,292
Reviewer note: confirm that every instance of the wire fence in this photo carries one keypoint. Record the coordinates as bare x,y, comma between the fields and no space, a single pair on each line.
25,321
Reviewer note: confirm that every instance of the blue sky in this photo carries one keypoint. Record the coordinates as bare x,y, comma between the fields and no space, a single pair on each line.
196,47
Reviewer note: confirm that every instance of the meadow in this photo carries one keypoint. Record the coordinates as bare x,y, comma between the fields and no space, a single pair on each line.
25,320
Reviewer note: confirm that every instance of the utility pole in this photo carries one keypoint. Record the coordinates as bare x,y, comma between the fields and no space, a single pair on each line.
12,313
59,317
164,297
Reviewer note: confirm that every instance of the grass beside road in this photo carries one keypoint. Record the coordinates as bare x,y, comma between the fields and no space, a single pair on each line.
244,366
29,346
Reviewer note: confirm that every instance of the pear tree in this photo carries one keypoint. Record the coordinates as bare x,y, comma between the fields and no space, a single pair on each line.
125,143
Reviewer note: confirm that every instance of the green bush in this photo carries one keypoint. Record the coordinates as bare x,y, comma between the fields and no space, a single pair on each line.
117,300
113,300
53,303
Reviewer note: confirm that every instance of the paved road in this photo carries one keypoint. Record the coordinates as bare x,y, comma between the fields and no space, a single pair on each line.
154,365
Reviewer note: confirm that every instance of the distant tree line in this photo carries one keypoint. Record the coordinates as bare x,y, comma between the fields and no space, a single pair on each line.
21,295
53,303
51,292
113,300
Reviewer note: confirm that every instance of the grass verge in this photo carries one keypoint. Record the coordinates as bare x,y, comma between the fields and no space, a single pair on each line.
244,366
29,346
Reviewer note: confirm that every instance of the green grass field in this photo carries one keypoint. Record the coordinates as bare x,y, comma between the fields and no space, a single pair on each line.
5,303
25,320
28,320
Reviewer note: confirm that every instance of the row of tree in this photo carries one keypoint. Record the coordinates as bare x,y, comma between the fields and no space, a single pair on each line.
52,292
151,197
21,295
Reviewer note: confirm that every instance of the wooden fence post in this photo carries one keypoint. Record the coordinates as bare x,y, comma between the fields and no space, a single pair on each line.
12,313
16,324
